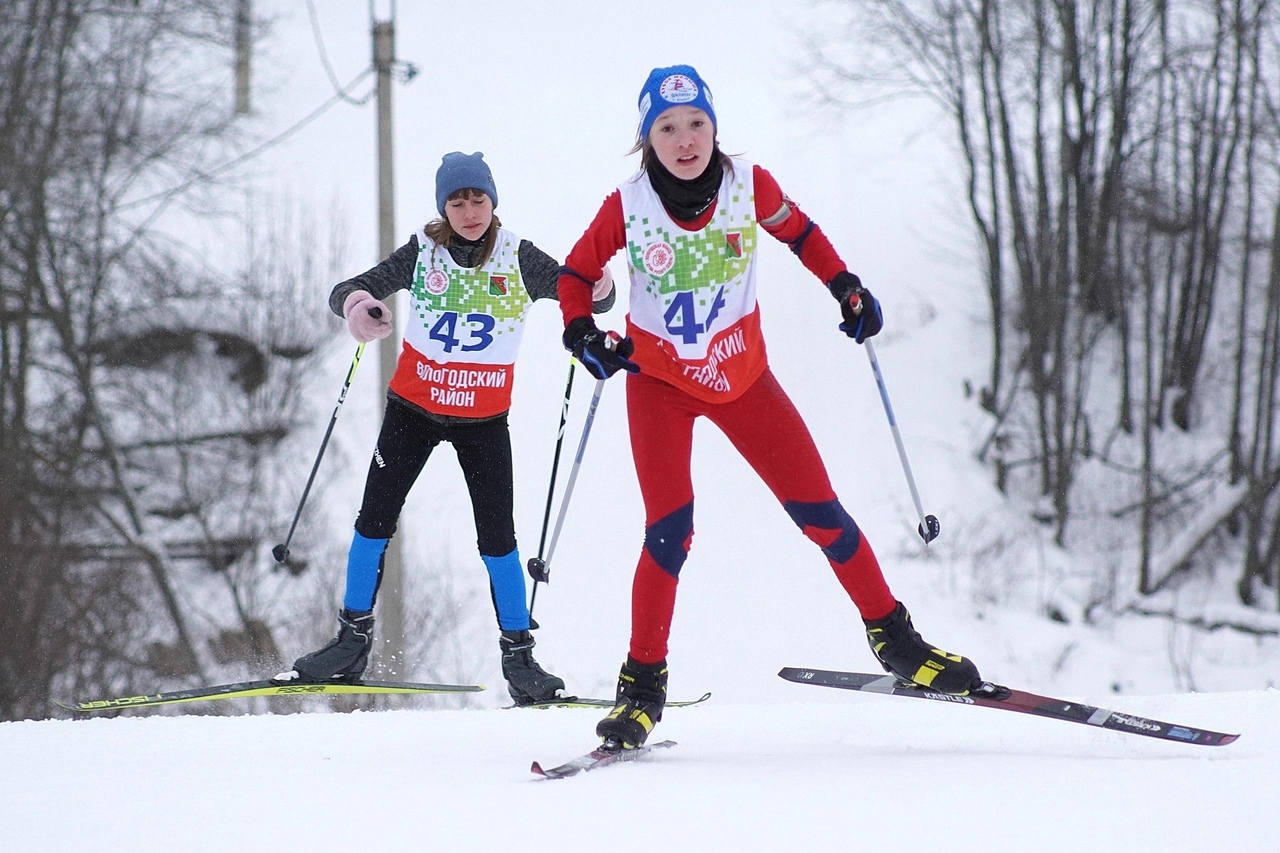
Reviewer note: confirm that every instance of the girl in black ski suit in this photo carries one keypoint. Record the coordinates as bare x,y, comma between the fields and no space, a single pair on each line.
471,283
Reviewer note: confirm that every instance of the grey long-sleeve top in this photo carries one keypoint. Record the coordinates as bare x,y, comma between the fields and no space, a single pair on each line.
539,273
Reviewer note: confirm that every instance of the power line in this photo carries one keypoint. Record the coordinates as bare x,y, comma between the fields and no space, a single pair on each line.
201,177
324,55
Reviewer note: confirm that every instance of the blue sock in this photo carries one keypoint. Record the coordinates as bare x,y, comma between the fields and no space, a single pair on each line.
507,578
364,564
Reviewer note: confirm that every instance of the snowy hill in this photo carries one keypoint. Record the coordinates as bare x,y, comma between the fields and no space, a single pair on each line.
818,770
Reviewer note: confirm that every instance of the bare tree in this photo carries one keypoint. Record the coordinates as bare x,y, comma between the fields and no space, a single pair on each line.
141,395
1118,153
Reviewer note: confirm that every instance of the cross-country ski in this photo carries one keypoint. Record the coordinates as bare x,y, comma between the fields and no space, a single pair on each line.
1004,698
264,687
597,758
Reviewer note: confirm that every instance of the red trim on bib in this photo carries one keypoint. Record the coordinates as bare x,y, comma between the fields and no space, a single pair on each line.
735,359
457,388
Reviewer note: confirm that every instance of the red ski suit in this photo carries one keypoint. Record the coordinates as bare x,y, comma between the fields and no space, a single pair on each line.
756,416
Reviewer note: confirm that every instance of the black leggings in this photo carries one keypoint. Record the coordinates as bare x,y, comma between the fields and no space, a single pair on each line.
404,444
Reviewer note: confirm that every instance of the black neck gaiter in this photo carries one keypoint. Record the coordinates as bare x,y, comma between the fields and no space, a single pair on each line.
686,200
466,253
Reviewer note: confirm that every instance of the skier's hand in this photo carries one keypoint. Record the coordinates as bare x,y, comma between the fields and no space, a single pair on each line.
368,319
602,355
861,311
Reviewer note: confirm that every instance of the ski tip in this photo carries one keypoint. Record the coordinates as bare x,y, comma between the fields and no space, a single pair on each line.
536,769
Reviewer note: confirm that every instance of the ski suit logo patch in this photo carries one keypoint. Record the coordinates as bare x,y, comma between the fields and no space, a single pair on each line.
436,282
659,258
734,239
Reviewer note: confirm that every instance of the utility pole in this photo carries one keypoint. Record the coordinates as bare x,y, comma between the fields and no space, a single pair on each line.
244,46
391,592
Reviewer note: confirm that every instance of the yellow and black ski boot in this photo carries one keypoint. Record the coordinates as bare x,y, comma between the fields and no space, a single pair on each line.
641,696
901,651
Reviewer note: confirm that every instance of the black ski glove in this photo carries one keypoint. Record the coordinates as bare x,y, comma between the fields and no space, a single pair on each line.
600,354
861,311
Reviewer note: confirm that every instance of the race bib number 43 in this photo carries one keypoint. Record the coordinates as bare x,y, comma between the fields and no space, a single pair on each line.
472,332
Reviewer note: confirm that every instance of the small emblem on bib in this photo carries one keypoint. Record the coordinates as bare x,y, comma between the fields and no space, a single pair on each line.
436,282
497,285
734,239
659,258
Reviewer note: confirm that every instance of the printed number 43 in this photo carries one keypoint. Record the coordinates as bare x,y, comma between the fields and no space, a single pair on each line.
682,319
477,327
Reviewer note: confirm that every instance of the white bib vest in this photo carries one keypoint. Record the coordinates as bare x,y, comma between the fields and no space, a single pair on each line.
693,293
463,331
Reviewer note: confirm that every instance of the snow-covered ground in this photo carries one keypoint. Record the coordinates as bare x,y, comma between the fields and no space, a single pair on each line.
811,772
548,92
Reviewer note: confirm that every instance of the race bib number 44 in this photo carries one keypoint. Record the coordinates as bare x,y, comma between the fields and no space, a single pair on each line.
681,316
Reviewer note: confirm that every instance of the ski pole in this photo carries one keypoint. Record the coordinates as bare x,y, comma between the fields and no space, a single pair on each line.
537,566
544,566
929,527
281,551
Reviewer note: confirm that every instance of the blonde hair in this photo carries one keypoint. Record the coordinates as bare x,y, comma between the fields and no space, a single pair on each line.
442,233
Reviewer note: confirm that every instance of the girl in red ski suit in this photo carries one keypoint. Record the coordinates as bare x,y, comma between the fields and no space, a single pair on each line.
689,222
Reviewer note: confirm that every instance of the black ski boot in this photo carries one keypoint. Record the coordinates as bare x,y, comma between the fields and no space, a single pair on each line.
341,659
901,651
526,680
642,694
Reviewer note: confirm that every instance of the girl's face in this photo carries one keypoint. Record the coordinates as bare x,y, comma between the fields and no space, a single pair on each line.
469,213
683,138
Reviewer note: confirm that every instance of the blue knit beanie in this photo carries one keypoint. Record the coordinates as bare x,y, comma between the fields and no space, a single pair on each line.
677,86
460,171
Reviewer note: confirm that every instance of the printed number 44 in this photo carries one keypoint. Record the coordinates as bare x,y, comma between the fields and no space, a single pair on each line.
478,329
682,319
